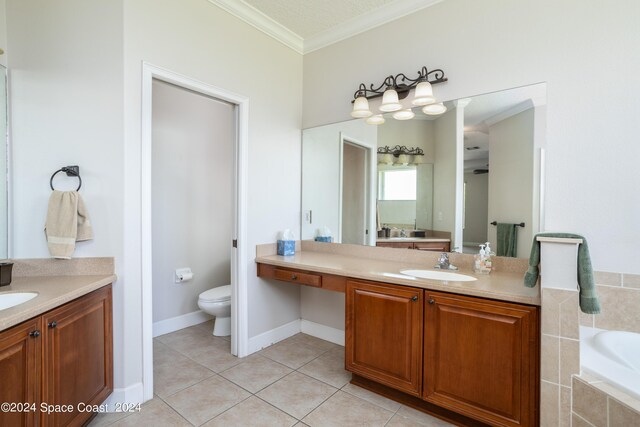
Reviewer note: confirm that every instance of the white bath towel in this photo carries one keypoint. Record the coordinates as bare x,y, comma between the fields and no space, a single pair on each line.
67,223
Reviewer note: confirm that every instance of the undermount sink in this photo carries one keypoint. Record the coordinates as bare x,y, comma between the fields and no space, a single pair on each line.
11,299
439,275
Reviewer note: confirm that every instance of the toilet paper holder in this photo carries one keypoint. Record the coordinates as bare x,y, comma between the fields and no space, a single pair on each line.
183,275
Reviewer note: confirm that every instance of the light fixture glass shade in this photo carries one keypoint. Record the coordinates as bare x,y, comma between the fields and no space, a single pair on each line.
401,160
404,115
418,159
423,94
385,159
434,109
390,101
361,108
375,120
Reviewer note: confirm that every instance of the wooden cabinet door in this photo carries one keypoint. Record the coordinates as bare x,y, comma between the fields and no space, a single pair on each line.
78,356
481,358
20,351
384,334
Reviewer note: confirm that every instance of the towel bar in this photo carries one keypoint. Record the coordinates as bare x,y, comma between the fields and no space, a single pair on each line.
517,225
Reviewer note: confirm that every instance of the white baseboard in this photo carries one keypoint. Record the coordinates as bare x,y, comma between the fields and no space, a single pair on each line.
273,336
179,322
131,395
323,332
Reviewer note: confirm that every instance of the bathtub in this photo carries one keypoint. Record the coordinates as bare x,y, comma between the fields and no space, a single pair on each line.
612,356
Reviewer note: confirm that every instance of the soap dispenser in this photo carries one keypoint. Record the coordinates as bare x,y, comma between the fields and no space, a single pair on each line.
479,259
488,264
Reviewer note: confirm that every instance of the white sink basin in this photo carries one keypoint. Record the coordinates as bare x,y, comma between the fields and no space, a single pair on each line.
439,275
11,299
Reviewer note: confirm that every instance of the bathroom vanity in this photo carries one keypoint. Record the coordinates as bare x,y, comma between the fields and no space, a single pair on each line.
56,349
421,244
467,352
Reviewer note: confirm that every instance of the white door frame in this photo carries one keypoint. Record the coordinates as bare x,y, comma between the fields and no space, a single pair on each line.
239,309
370,171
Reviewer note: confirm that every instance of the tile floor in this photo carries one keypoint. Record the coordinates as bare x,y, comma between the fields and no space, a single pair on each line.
299,381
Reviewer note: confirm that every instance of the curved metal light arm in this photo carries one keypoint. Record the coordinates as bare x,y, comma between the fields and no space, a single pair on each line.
401,83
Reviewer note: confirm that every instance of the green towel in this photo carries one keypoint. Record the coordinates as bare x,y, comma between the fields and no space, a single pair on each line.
507,240
589,302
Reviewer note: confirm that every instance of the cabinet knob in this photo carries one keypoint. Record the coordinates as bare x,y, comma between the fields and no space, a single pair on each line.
34,334
432,301
53,324
414,298
294,277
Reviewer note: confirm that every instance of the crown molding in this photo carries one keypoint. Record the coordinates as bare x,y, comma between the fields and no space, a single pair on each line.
262,22
509,112
364,22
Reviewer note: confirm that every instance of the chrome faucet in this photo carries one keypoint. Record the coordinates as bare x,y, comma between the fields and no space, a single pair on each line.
444,264
403,233
443,261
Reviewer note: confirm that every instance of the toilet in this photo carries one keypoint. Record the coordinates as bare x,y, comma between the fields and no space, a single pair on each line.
217,302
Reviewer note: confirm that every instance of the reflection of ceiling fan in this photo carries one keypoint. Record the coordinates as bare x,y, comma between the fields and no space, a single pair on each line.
481,171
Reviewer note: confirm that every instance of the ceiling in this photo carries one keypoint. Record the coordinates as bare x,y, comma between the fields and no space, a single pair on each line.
308,25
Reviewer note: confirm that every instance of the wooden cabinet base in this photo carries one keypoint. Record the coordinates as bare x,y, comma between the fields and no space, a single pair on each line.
415,402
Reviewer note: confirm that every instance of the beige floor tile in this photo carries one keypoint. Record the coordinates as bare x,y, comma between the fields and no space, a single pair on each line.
313,342
328,368
297,394
206,326
215,359
291,353
256,374
153,413
252,412
207,399
192,340
401,421
344,409
369,396
106,419
419,417
173,372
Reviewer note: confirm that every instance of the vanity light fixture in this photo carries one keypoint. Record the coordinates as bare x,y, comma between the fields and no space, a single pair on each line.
395,88
400,155
434,109
375,120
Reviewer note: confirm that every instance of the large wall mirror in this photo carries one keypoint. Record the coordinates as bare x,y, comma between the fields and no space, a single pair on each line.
477,163
4,223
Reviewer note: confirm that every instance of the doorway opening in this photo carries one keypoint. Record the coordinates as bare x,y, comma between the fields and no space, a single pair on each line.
176,205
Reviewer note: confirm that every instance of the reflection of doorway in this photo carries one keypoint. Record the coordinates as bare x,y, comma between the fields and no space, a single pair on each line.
354,192
357,192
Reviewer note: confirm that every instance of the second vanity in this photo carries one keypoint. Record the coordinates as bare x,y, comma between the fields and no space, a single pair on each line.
467,352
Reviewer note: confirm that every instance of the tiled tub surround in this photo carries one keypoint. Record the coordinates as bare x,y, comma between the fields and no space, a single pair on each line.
56,282
560,359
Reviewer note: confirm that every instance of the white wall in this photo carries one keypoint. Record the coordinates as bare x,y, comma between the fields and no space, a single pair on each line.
77,65
354,192
511,152
475,208
492,45
444,174
3,32
66,107
321,172
192,196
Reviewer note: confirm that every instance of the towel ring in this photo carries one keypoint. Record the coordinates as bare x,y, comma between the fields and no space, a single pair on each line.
70,171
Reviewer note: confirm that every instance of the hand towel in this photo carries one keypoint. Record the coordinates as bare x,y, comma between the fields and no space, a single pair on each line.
67,223
507,240
589,302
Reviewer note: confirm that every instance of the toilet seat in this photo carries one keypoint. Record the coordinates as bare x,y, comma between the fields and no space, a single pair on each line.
219,294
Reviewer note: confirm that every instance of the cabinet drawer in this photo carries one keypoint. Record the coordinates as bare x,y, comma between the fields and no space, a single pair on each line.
398,245
432,246
292,276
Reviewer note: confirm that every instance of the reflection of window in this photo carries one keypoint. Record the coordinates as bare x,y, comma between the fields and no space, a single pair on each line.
397,184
